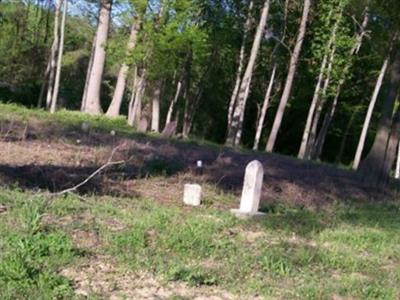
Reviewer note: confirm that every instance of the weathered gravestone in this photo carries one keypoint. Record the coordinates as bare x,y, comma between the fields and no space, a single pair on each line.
251,193
169,129
192,194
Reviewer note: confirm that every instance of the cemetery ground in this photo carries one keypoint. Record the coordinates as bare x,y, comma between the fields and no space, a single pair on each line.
125,234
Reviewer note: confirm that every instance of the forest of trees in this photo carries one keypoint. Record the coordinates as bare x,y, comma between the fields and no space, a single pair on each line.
316,79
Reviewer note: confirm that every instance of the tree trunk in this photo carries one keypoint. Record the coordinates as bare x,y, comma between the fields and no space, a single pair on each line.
243,93
89,70
372,168
92,104
239,71
136,111
321,102
59,59
264,109
289,80
361,142
173,102
115,106
155,107
397,174
53,54
317,148
316,96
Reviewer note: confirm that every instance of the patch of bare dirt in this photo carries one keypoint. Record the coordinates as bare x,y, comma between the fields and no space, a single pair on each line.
50,158
100,276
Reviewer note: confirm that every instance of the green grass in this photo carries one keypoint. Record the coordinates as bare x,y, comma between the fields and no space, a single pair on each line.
30,255
349,250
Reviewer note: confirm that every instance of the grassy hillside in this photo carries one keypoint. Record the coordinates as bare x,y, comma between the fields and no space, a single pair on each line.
127,235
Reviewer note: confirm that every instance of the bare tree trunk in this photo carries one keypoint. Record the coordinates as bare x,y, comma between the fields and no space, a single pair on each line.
397,174
136,111
53,54
132,98
367,120
89,70
264,109
115,106
173,102
316,96
155,107
59,59
239,71
321,102
236,122
372,168
92,105
317,148
289,80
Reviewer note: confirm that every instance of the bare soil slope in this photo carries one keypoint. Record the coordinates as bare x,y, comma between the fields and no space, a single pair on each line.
39,154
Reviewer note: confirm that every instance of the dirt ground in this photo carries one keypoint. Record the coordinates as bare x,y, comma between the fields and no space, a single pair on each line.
39,156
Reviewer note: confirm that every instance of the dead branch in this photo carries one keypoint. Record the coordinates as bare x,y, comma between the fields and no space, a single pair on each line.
109,163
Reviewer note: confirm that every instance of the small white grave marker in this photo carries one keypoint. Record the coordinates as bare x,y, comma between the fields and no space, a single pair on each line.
251,193
192,194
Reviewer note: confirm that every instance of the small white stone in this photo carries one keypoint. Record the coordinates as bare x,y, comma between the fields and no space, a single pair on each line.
112,132
192,194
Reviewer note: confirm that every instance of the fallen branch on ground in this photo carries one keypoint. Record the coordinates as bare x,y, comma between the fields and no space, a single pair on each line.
106,165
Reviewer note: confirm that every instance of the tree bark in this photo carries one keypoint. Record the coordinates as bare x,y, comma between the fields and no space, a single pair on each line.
53,54
239,71
397,174
363,136
136,111
59,59
155,107
173,102
89,70
372,168
289,80
243,93
264,109
311,144
115,106
92,103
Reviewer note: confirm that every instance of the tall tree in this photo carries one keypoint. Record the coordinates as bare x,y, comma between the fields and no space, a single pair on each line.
367,120
317,91
239,70
235,128
60,51
376,166
92,100
290,77
115,106
260,122
53,54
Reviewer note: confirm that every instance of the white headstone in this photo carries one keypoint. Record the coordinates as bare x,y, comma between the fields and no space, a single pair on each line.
252,187
192,194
